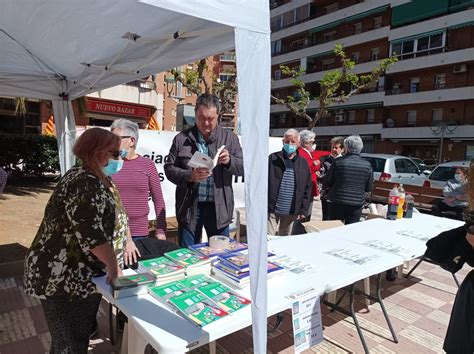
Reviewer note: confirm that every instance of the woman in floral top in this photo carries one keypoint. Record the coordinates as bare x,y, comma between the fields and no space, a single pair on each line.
74,237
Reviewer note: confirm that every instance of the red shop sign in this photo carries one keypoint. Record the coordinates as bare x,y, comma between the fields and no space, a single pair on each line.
101,106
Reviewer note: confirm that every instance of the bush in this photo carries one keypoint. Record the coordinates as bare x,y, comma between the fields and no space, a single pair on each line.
29,155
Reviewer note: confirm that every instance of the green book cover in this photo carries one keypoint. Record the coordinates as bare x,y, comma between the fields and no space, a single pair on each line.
197,307
194,281
226,298
134,280
167,291
160,266
186,257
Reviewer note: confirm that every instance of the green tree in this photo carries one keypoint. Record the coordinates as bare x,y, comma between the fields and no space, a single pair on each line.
332,87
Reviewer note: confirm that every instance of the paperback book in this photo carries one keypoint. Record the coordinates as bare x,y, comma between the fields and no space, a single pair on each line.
226,298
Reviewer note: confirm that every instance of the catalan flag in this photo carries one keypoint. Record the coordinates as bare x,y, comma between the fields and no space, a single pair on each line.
153,124
49,130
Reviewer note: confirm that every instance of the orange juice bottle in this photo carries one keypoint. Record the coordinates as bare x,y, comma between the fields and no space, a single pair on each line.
401,192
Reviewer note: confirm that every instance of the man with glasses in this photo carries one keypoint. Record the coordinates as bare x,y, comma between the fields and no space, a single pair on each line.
204,198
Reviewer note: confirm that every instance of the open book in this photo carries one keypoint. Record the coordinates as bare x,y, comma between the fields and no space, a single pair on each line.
200,160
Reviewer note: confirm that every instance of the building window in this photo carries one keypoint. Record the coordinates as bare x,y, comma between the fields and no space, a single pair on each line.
282,119
277,74
440,81
377,22
328,64
355,57
436,115
351,117
301,13
329,37
275,23
374,54
299,44
421,46
358,28
225,77
414,84
370,115
332,8
188,93
179,89
276,47
411,118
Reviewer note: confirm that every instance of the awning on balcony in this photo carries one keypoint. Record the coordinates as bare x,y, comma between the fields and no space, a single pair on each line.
348,19
420,35
461,25
355,106
323,54
455,5
417,10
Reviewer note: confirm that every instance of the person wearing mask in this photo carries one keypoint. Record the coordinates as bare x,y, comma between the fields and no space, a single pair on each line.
74,240
136,181
455,195
350,178
307,150
289,186
337,148
204,198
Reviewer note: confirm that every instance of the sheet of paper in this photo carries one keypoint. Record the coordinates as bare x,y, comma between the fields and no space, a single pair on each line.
293,265
306,319
387,247
351,256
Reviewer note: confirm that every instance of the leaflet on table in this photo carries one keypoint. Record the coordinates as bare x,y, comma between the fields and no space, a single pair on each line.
414,234
205,250
293,265
306,319
351,256
197,308
187,257
200,160
388,247
226,298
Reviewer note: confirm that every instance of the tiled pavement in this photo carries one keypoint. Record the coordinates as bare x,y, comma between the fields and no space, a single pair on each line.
419,308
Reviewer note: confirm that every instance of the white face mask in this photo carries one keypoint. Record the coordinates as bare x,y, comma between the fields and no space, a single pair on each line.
313,146
458,177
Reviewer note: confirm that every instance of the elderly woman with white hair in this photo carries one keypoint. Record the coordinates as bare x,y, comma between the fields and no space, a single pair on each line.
136,181
307,150
350,178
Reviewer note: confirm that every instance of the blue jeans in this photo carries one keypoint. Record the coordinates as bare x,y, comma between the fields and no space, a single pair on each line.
206,216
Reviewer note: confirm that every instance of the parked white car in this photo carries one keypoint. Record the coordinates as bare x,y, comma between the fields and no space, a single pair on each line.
395,169
443,172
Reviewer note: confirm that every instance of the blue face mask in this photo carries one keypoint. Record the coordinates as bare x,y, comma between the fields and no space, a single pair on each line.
113,166
289,149
123,153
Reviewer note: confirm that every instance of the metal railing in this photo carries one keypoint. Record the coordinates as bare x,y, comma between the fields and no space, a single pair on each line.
227,57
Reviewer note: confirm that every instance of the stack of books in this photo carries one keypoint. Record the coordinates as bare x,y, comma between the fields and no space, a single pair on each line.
199,299
163,269
193,262
205,250
233,269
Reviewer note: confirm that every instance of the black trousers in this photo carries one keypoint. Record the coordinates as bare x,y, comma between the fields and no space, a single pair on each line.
348,214
440,207
70,323
325,208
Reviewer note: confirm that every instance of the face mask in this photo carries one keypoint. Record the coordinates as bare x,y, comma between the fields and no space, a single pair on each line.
458,177
313,146
289,149
123,153
113,166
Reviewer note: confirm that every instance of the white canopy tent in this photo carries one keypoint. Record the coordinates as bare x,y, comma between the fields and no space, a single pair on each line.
61,50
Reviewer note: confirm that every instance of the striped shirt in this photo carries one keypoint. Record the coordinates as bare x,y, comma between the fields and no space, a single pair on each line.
136,181
285,203
206,187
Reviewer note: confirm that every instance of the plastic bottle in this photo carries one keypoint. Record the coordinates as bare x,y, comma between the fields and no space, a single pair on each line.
393,201
401,192
409,205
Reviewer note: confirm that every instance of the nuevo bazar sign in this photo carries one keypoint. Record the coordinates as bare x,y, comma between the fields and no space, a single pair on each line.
109,107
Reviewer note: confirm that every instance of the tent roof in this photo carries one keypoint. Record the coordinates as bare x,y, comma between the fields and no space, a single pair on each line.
51,46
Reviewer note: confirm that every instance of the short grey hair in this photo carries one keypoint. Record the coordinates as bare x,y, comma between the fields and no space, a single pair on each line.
307,135
208,100
292,131
354,144
128,127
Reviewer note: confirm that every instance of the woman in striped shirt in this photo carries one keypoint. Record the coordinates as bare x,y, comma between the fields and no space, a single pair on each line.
137,180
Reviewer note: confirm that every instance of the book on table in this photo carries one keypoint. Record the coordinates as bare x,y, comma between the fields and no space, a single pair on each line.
226,298
200,160
193,262
162,268
198,308
238,260
240,279
132,285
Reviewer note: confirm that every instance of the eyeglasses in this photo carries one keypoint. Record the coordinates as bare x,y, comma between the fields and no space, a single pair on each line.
125,136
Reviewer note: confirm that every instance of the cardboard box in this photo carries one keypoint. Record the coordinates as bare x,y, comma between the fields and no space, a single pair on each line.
319,225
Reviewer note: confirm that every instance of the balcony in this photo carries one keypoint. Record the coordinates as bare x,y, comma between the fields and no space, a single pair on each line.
441,95
277,3
227,57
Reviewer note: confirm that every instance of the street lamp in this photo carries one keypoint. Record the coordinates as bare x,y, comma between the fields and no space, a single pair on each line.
441,128
170,82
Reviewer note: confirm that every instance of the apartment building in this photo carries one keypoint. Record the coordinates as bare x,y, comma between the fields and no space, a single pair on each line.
425,98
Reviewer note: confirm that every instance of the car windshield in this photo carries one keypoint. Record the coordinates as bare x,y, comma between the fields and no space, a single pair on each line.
443,173
377,163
